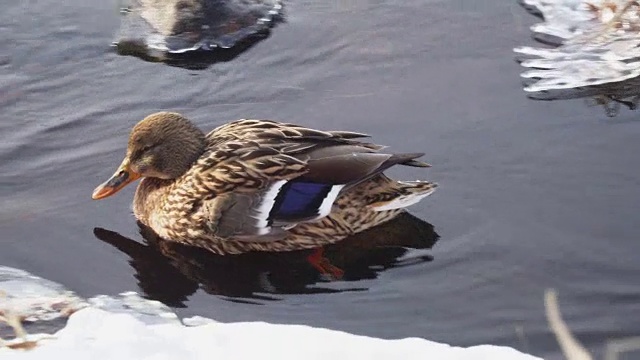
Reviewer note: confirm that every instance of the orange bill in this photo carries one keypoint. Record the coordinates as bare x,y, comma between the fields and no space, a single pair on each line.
123,176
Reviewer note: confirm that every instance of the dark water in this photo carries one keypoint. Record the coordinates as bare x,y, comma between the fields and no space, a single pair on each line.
532,194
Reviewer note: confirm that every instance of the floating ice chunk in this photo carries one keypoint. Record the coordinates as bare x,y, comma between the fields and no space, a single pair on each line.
598,50
179,26
149,311
32,298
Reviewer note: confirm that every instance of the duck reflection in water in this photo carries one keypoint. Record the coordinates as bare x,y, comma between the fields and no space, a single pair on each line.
170,272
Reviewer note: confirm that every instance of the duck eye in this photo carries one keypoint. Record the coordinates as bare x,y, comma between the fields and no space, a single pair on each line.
146,148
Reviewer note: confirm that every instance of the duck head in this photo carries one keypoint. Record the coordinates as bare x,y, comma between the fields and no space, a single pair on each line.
163,145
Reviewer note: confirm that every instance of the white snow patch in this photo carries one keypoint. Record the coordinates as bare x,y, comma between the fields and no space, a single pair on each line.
96,334
130,327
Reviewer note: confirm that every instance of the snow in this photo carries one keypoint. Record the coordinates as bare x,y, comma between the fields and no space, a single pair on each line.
130,327
92,331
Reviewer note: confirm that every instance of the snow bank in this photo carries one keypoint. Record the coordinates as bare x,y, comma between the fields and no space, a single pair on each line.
91,332
129,327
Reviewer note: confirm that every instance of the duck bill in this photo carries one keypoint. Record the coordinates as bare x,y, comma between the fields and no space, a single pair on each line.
123,176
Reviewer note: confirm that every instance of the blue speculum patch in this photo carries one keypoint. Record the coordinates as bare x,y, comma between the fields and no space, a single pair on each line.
299,200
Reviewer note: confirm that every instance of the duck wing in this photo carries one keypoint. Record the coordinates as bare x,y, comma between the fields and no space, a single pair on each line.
269,176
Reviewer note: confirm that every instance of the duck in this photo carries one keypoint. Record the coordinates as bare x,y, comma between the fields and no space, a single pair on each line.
259,185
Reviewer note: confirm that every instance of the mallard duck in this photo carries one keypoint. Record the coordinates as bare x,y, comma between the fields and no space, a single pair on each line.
259,185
